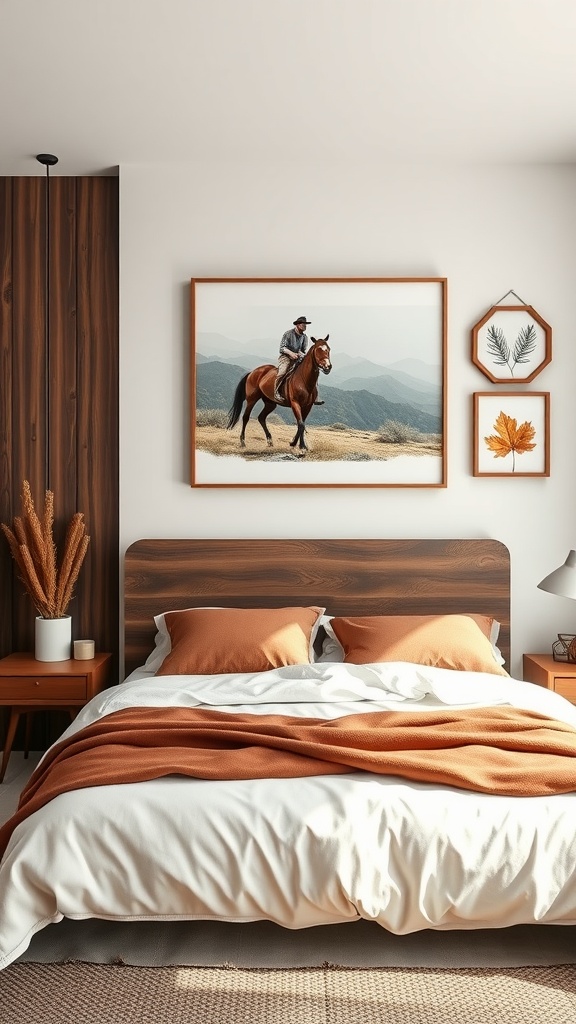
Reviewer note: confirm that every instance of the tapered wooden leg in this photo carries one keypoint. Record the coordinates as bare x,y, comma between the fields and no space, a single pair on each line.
10,733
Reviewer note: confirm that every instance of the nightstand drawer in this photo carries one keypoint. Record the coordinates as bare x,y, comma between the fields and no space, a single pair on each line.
566,687
544,670
28,685
19,688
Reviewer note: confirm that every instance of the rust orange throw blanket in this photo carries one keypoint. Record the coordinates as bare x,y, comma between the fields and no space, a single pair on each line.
500,750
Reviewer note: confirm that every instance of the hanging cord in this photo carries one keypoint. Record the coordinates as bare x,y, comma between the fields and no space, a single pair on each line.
48,160
511,292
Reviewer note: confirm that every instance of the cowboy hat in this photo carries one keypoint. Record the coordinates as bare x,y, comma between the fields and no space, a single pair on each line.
301,320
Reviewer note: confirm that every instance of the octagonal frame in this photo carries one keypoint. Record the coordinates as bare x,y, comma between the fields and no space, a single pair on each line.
531,348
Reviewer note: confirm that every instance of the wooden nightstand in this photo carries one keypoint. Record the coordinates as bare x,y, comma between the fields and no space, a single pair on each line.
554,675
28,685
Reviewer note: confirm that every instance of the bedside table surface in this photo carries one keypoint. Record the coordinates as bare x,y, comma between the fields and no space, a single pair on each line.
549,663
25,664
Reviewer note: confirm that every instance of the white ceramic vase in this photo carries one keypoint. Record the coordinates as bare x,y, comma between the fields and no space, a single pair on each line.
53,638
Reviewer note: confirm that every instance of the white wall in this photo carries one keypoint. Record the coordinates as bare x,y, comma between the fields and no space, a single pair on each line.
487,229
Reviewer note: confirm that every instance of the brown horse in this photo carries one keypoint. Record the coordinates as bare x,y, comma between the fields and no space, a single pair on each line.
300,388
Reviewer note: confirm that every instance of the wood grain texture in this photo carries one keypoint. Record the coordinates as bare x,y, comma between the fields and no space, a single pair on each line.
362,577
97,425
82,386
5,400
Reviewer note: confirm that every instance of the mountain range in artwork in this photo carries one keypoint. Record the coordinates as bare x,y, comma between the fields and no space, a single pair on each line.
360,393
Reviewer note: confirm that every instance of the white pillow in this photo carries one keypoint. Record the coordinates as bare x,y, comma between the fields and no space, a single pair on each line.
493,639
332,649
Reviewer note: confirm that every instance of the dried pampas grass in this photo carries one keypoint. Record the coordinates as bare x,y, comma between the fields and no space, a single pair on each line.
31,541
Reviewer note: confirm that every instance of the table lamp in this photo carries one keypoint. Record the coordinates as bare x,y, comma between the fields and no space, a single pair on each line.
562,582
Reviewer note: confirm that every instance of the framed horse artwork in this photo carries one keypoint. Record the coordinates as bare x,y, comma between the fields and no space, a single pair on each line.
322,382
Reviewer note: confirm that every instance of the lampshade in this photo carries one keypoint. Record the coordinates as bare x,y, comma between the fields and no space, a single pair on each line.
563,580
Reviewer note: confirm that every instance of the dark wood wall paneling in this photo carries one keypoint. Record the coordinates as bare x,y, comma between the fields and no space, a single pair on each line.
82,391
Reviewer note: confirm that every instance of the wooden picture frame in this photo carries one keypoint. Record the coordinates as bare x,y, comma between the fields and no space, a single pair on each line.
511,433
382,385
511,344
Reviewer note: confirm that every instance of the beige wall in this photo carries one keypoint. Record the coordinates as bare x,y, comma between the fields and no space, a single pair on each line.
486,228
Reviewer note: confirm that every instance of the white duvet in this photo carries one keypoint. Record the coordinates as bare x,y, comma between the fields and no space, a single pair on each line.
299,852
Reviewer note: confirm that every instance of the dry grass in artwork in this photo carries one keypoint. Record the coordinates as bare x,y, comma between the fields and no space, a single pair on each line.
326,444
49,586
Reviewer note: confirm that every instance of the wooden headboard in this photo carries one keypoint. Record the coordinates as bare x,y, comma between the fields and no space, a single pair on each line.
361,577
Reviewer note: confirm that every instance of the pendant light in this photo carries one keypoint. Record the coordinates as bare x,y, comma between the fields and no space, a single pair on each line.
48,160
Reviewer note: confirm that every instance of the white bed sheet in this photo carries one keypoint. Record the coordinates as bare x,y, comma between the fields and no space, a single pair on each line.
299,852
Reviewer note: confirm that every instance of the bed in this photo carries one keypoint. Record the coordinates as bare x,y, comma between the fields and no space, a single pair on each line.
319,837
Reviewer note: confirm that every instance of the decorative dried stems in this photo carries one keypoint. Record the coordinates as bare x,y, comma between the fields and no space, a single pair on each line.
34,551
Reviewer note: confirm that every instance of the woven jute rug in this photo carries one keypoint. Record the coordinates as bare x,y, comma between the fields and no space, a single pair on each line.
104,994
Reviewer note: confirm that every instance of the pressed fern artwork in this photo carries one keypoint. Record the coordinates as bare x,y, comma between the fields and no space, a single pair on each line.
510,439
511,344
499,348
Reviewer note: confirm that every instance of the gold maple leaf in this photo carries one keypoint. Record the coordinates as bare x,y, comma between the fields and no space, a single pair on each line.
510,438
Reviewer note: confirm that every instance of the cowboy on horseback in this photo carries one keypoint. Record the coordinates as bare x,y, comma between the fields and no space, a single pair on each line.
293,348
301,387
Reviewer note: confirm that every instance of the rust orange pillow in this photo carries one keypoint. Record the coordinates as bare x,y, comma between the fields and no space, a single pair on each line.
208,641
444,641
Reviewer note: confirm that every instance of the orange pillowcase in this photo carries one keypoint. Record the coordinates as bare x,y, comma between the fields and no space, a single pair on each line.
444,641
207,641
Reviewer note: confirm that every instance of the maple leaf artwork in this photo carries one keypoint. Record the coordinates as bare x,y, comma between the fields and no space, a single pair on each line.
510,439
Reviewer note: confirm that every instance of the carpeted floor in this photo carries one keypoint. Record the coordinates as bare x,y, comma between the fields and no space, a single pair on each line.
96,994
